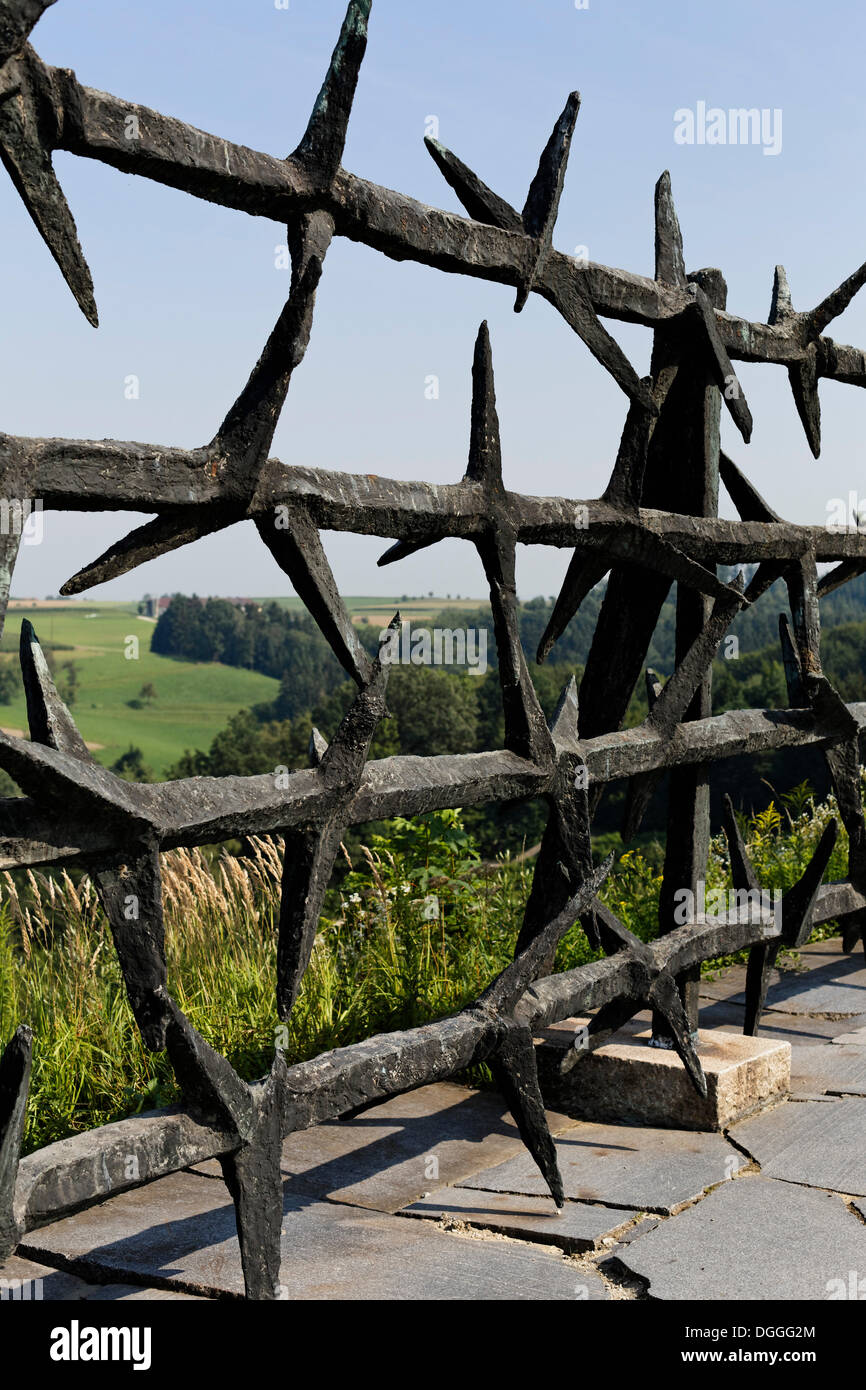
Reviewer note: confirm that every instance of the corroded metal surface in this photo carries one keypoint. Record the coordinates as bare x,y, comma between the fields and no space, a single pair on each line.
655,524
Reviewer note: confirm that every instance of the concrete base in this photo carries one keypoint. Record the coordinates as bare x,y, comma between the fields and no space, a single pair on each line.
632,1082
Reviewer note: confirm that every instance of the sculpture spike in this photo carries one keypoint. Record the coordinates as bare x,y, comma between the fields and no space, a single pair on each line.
665,1000
781,307
485,449
504,993
797,696
515,1072
246,434
318,747
803,377
836,302
703,314
742,871
254,1179
308,858
748,501
666,711
173,528
321,147
563,725
841,574
799,901
296,544
641,790
27,131
526,731
802,584
211,1086
599,1030
241,444
585,571
564,861
679,691
570,299
637,545
131,891
542,203
15,1066
625,488
653,688
131,897
17,21
401,550
48,718
482,204
670,264
764,578
762,957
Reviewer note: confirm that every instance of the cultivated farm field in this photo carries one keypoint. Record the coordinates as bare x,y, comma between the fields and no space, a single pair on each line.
193,701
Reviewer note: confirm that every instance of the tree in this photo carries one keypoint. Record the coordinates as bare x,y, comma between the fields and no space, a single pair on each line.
131,766
67,687
147,693
9,685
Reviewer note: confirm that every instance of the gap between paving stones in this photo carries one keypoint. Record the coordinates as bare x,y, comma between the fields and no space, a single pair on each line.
92,1272
620,1283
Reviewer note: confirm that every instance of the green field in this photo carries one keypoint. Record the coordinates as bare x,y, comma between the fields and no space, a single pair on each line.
193,701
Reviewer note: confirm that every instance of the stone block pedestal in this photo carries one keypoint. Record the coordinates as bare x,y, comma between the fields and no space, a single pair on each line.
630,1082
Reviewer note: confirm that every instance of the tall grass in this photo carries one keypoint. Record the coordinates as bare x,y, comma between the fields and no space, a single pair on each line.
417,929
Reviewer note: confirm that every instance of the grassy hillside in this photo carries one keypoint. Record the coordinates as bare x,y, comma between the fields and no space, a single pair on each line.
192,702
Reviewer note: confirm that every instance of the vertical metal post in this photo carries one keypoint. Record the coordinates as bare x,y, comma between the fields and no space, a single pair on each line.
692,415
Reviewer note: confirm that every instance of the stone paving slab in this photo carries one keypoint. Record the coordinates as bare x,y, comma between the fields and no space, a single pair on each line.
623,1166
818,1145
822,1069
27,1281
578,1226
800,1030
855,1039
396,1152
834,986
823,962
181,1230
728,984
753,1239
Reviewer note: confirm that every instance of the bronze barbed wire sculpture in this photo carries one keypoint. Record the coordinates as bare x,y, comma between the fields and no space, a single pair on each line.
656,523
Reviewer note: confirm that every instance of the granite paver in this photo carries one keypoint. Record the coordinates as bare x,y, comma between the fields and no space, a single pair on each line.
627,1166
840,1070
181,1231
752,1239
818,1145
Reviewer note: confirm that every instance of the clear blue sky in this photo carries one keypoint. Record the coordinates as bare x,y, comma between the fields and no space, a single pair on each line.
188,292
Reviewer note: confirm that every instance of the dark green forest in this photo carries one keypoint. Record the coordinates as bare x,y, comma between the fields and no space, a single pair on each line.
440,709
